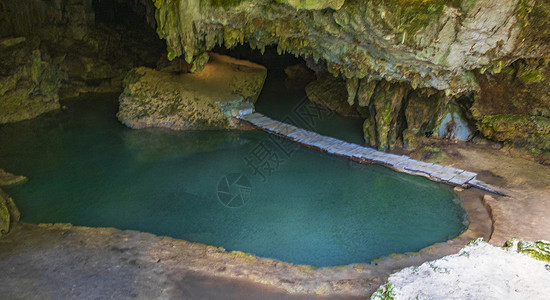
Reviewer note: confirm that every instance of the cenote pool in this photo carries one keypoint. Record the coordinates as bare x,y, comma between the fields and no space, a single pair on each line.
242,190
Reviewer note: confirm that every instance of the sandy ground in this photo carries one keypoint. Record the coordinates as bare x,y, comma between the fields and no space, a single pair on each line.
525,213
46,262
65,262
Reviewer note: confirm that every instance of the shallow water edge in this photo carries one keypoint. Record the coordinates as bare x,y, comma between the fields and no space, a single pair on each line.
167,255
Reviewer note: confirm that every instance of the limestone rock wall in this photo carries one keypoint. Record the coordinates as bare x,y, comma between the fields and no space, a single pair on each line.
431,43
514,105
69,50
29,80
409,67
395,113
39,17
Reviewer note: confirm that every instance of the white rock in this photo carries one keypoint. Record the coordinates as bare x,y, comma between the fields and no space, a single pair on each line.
478,271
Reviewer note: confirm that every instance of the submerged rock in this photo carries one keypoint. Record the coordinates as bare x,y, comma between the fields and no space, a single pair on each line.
9,214
159,144
206,100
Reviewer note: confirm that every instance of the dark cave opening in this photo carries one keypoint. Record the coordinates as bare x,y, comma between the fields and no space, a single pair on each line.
129,13
269,59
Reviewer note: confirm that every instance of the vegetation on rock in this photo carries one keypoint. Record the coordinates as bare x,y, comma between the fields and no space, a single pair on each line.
531,132
539,250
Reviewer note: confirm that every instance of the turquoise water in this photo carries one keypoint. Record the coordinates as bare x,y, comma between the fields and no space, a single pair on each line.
290,203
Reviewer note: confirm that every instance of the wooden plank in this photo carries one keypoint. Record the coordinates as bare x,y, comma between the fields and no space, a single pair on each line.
463,178
487,187
335,146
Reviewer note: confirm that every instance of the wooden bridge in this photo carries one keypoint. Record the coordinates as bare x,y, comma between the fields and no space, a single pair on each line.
400,163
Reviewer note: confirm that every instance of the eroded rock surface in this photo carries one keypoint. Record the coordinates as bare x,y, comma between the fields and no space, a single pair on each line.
430,43
205,100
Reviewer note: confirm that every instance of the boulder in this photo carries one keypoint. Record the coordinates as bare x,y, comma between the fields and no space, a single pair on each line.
314,4
209,99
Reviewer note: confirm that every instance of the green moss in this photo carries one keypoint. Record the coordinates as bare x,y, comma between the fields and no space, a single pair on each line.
539,250
199,62
407,17
383,121
534,23
533,76
531,70
241,253
4,218
313,4
224,3
530,132
433,154
386,292
369,132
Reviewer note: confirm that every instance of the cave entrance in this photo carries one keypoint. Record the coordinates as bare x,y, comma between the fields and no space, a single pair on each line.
129,13
284,96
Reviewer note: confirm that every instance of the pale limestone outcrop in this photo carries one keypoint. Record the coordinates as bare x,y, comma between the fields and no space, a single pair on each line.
205,100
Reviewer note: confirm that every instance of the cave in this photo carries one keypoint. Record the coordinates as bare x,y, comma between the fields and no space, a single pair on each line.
281,149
